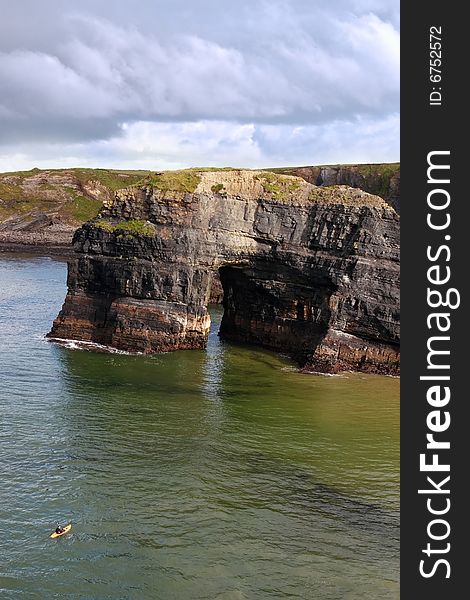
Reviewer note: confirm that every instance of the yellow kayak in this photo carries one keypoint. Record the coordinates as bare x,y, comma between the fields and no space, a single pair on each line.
67,528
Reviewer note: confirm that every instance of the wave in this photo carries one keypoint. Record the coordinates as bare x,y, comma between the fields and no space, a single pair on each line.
90,346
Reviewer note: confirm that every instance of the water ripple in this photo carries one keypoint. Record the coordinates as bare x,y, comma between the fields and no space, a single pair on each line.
223,474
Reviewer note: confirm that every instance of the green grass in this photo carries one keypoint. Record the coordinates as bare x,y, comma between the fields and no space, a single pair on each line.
338,194
74,204
69,199
173,181
131,227
113,180
217,188
29,173
377,177
84,208
280,188
209,169
15,200
282,170
9,191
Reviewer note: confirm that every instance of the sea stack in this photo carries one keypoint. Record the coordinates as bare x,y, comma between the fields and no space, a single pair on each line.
309,271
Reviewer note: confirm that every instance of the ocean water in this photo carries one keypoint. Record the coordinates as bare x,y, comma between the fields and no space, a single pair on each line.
219,475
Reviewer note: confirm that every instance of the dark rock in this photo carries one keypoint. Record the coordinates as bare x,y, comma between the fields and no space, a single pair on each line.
305,270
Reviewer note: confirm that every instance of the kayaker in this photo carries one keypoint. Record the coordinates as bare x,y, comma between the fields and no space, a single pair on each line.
59,529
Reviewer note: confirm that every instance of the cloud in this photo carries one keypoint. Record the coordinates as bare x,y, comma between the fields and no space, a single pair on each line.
318,66
150,145
106,70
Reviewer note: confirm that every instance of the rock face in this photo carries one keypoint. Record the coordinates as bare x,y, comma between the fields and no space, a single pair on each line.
305,270
41,209
380,179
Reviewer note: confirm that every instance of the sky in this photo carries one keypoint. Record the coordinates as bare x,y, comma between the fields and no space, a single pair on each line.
167,84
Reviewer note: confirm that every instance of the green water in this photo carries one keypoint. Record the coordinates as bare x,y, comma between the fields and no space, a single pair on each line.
221,475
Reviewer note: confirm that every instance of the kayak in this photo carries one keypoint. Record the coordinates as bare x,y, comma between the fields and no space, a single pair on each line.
67,528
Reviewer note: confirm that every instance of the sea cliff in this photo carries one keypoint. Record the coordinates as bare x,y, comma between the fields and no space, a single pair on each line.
41,209
306,270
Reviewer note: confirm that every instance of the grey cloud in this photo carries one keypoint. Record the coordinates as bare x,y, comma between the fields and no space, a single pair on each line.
210,19
288,74
54,130
75,72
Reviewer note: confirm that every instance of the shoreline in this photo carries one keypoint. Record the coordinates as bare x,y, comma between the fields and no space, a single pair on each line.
58,250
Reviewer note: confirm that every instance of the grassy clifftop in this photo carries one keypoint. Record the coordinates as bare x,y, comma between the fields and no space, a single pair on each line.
44,207
68,196
381,179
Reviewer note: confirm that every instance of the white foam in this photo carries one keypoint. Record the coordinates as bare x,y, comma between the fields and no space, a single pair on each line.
90,346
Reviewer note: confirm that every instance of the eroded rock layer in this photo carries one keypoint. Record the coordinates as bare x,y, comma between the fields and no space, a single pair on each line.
305,270
380,179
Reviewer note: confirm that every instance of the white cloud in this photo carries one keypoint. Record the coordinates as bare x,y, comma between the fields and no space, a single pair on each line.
225,85
155,146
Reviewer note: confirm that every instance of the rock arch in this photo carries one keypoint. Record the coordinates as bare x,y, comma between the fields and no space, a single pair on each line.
276,306
309,271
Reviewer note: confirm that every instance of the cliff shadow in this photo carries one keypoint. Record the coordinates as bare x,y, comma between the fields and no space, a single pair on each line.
276,306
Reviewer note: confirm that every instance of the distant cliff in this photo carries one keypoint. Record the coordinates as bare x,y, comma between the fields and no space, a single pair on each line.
41,209
380,179
306,270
